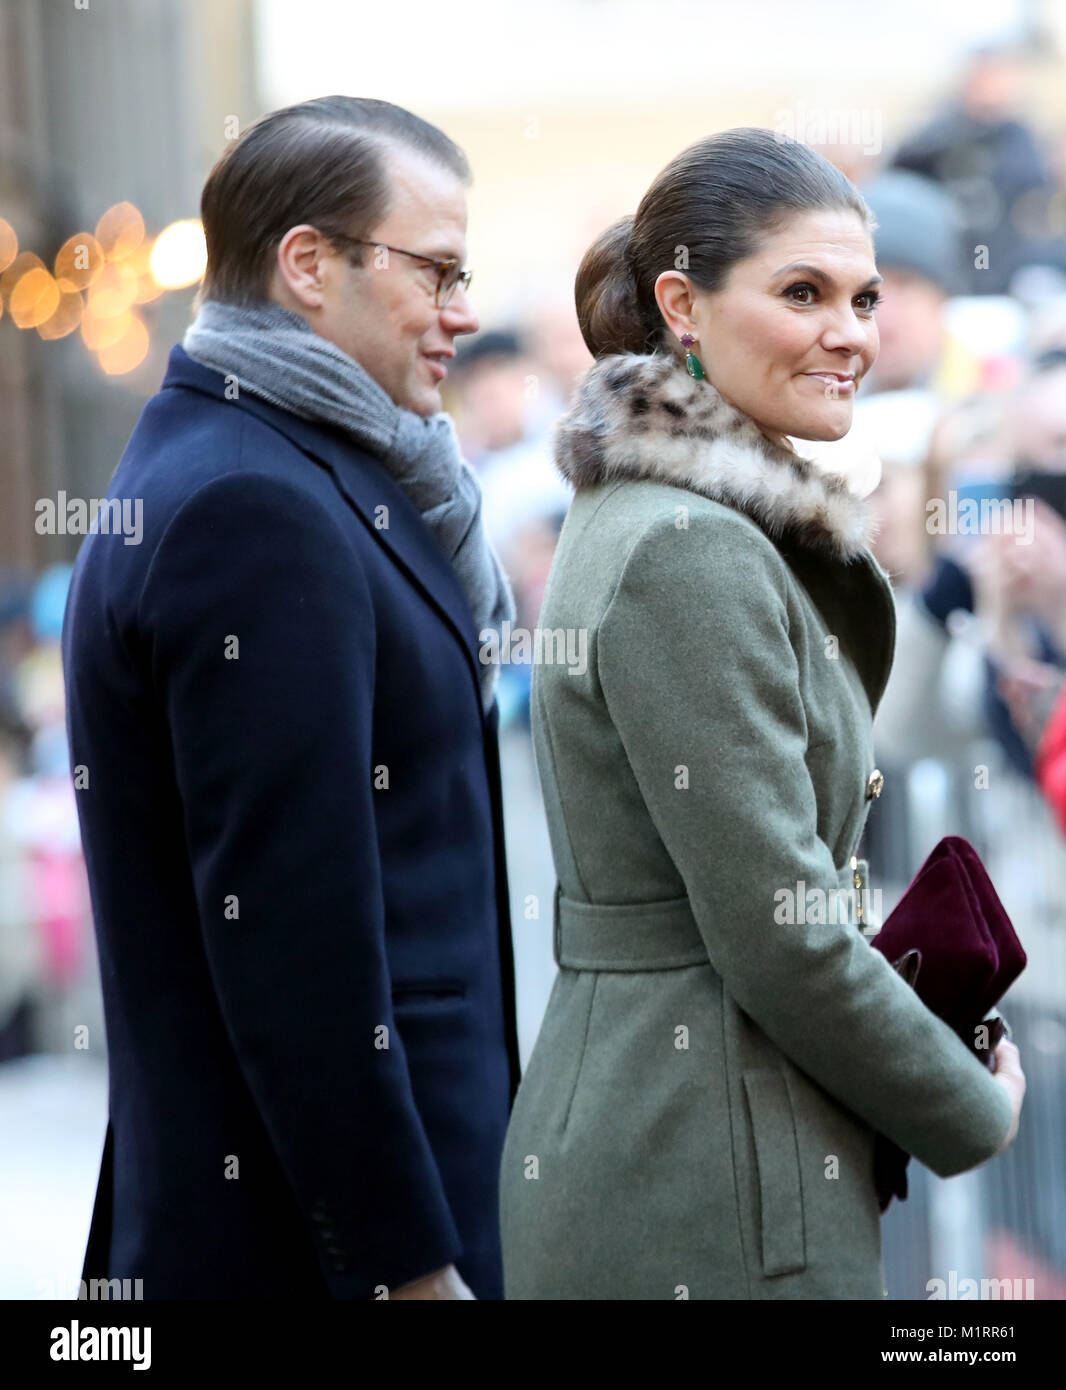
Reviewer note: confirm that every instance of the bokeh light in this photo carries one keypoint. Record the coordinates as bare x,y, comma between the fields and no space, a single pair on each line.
139,262
179,256
34,298
66,316
102,331
79,261
128,351
16,269
97,278
9,244
120,231
113,291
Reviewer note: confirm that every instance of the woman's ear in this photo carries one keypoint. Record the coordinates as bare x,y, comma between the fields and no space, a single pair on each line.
674,296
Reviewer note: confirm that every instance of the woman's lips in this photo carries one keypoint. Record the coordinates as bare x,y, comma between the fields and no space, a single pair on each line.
833,385
437,367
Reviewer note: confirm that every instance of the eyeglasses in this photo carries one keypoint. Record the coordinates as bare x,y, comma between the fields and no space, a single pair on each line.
449,274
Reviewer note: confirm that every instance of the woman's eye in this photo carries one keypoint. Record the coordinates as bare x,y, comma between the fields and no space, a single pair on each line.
800,289
867,301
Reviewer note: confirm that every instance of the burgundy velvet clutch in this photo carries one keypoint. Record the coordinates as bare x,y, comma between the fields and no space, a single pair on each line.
951,939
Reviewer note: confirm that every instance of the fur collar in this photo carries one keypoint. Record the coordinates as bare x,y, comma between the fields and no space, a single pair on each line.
643,416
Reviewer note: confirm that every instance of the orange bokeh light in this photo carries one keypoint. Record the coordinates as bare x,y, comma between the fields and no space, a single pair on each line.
113,291
127,352
79,261
67,315
120,231
34,298
17,268
9,244
100,332
95,280
137,261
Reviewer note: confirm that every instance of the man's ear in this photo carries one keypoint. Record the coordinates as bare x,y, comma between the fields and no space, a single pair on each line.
302,265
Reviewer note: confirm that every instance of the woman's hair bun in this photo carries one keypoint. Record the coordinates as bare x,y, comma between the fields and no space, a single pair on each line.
605,293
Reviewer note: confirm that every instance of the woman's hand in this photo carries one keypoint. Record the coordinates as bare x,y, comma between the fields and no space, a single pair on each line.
1006,1063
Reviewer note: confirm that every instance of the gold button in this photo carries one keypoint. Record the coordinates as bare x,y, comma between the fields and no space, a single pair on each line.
874,783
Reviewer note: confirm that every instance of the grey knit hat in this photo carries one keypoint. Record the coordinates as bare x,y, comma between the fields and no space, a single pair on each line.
919,227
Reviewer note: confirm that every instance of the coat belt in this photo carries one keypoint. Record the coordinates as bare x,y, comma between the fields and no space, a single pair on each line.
626,936
632,936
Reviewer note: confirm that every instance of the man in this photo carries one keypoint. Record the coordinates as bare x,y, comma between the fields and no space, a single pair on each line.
284,746
918,251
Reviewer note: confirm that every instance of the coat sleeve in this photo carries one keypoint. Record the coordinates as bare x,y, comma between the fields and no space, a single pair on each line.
261,636
697,668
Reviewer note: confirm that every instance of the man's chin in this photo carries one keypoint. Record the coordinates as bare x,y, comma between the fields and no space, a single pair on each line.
423,400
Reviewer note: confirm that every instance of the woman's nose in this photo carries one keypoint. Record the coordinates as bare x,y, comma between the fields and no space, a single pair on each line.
848,330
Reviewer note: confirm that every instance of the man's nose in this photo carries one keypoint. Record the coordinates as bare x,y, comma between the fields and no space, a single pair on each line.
458,315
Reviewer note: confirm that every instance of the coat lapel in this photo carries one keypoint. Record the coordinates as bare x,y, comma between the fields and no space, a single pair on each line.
858,606
366,487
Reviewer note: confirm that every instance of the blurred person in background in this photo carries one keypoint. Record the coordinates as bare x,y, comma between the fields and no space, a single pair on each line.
15,636
911,427
932,704
1035,691
1046,734
558,351
1047,328
982,645
507,405
919,255
21,962
981,149
510,388
19,953
1019,627
903,424
488,395
1014,586
1011,586
42,817
290,803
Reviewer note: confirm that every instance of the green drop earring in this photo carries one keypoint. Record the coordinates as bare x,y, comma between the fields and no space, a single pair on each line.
692,362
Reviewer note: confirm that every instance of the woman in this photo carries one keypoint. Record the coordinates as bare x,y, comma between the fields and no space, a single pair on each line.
698,1115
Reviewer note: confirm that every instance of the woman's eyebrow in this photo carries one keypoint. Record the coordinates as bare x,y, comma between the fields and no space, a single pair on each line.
816,274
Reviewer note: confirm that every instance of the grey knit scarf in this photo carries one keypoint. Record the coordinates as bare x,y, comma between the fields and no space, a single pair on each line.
276,355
